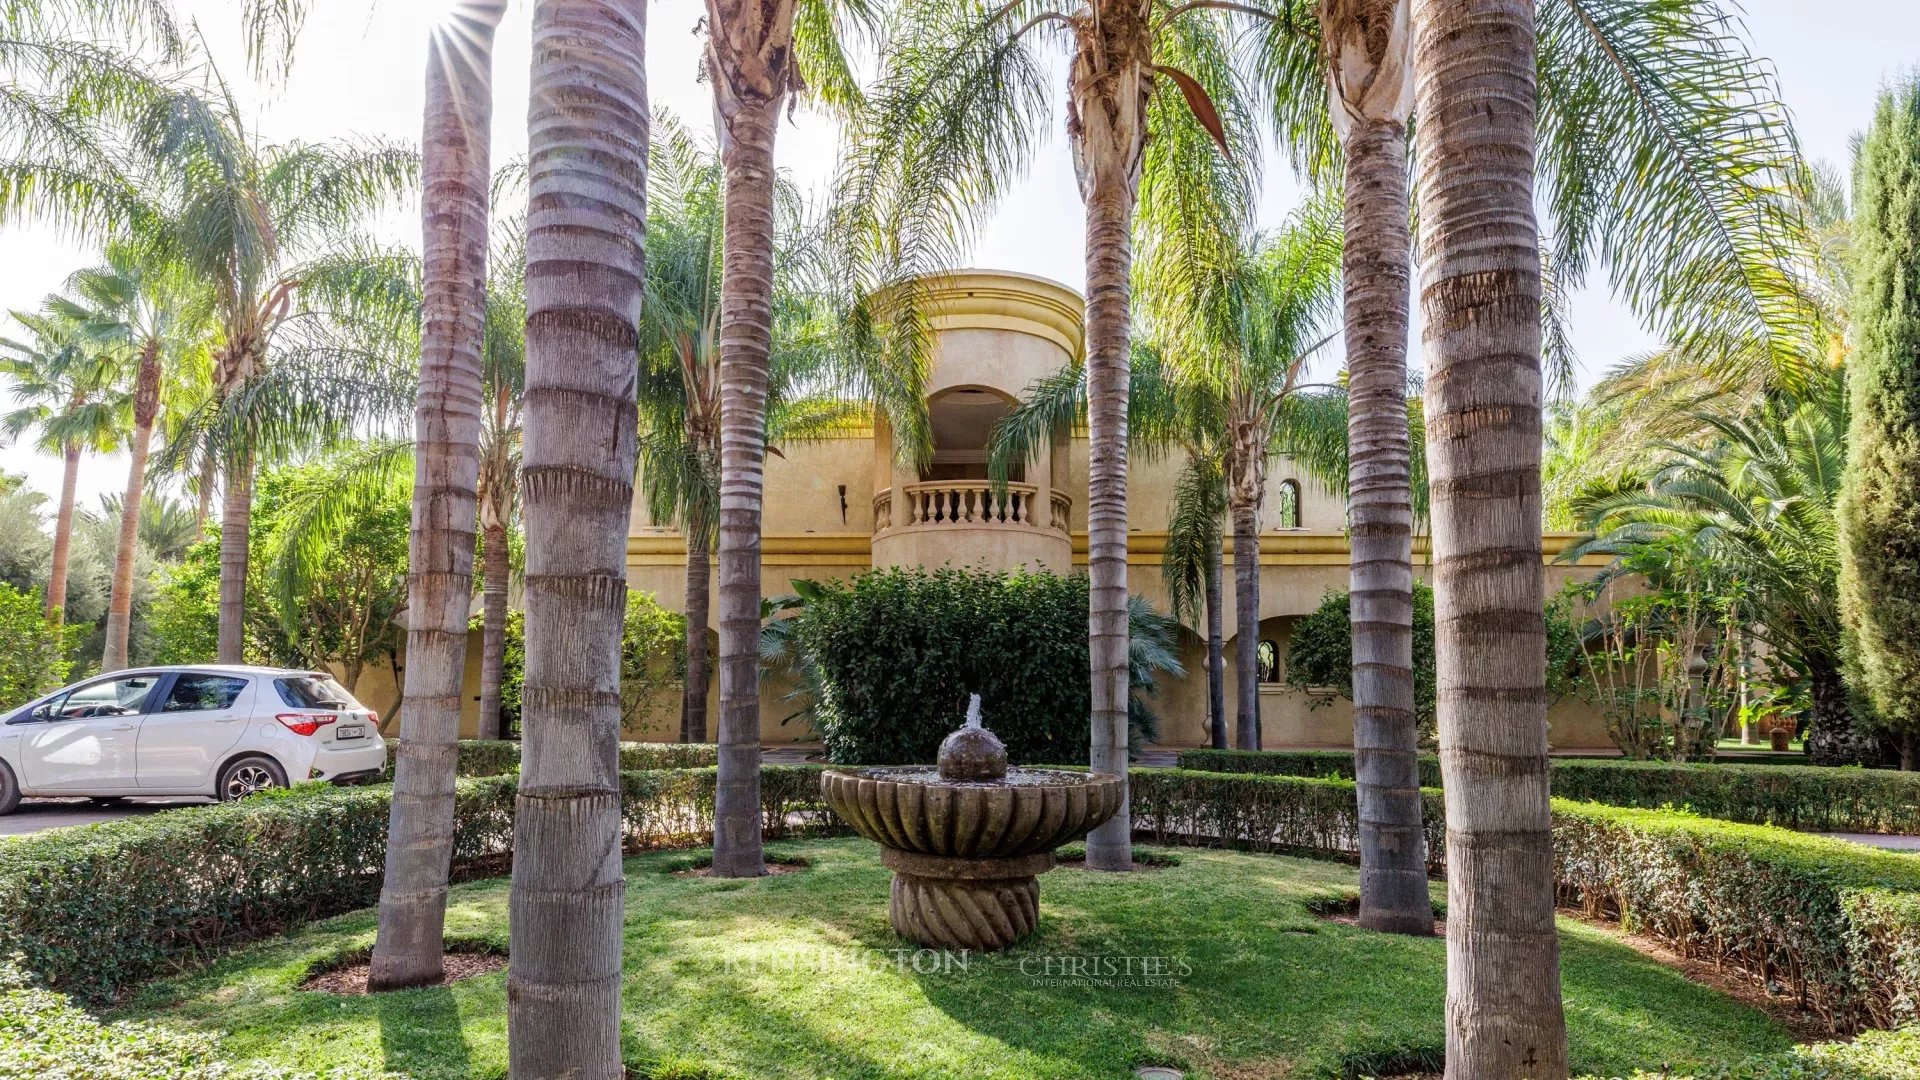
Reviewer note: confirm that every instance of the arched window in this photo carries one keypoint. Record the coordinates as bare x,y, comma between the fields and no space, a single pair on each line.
1289,510
1267,661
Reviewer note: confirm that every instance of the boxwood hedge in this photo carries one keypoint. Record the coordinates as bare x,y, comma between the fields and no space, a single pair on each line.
1837,924
91,910
493,757
1814,798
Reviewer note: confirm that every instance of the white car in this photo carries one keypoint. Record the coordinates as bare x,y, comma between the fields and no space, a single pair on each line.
219,731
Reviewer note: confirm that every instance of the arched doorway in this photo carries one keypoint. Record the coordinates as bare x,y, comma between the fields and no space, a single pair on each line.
962,420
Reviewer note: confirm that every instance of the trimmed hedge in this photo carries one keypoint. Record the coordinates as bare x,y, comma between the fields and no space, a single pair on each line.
495,757
1836,923
45,1036
91,910
1806,797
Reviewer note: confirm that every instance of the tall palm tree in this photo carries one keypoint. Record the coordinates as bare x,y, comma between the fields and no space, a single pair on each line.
958,113
457,175
586,273
822,375
1217,373
504,385
1666,157
161,319
757,52
1480,302
66,388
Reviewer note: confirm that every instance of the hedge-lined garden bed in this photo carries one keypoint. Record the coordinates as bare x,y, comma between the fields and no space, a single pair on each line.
1837,924
95,909
91,910
1807,797
495,757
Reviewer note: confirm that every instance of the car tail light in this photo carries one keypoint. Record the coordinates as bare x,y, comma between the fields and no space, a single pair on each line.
305,723
373,718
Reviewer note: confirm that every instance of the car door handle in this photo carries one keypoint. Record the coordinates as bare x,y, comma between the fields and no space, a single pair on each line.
228,719
124,727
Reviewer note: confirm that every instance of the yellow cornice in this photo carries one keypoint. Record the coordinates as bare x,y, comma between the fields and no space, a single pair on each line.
1002,300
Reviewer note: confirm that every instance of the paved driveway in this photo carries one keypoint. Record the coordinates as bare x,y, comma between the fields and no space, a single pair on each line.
35,815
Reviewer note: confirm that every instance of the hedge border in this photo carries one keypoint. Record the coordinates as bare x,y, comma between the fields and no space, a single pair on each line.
1804,797
94,909
496,757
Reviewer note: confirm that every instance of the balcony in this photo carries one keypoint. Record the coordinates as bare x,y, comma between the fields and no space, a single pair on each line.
972,522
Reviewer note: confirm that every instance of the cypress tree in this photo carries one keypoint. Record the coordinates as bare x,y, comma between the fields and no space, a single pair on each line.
1880,501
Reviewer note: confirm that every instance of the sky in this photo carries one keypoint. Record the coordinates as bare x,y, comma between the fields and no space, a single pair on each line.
358,71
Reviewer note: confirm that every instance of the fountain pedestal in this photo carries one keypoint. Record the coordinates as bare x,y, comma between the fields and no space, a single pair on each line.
968,841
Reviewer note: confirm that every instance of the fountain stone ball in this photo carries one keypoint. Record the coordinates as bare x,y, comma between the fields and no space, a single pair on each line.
967,847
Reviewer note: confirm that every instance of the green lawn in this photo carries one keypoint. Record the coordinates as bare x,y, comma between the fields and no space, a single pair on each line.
794,976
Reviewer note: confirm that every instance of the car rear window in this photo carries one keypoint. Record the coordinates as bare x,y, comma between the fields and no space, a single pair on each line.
314,692
203,693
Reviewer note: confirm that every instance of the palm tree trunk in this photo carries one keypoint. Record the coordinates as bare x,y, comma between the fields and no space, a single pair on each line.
1246,630
1480,304
586,266
456,172
1109,262
1109,86
1386,737
203,491
494,578
1216,647
56,601
747,125
236,525
146,405
693,698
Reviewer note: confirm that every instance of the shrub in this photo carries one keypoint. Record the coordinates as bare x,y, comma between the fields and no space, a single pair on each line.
35,658
1875,1055
492,757
653,657
1835,924
896,652
1815,798
45,1036
1320,650
98,908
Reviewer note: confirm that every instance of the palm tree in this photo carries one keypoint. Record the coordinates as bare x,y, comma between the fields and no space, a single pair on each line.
757,52
269,229
1216,375
1480,302
586,165
68,390
958,112
456,174
162,320
822,375
504,384
1755,505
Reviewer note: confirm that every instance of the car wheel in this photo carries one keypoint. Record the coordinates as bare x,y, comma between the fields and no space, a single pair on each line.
9,790
245,776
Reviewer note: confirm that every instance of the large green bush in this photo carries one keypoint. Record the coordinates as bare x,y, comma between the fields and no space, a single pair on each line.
34,658
894,654
1807,797
94,909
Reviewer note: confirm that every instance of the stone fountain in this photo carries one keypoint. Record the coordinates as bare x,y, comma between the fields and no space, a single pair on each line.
968,839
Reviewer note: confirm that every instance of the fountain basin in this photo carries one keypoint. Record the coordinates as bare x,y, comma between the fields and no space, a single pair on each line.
967,854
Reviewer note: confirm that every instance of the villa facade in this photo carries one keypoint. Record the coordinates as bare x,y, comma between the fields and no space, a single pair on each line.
840,506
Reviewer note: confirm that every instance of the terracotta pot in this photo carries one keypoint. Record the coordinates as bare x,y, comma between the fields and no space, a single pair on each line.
1779,737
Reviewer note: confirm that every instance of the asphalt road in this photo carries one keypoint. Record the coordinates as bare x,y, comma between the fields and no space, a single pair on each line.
34,815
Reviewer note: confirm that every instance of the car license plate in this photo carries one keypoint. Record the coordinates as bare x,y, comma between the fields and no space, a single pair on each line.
350,731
